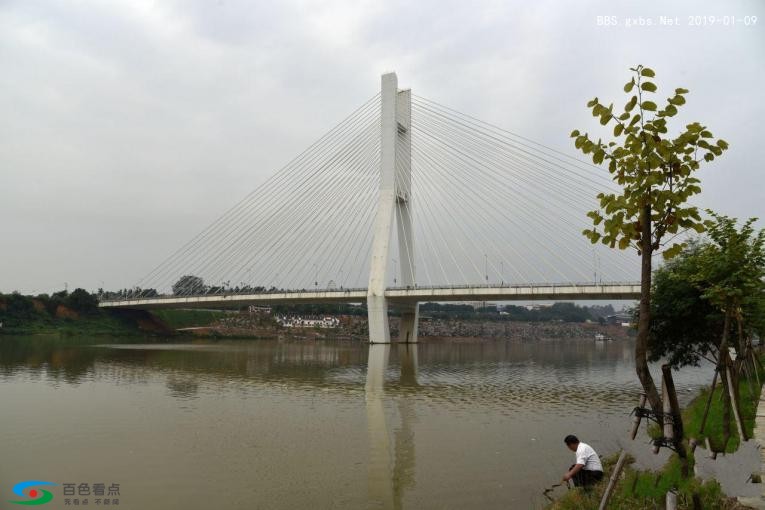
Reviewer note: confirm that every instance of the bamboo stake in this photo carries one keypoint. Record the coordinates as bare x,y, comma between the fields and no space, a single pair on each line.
671,500
756,368
709,402
669,430
748,375
733,403
712,454
614,477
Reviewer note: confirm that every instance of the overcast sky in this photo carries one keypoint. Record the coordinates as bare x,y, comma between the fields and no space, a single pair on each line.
127,126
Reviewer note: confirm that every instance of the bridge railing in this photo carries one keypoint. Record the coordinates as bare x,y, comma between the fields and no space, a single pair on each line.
504,285
133,297
232,293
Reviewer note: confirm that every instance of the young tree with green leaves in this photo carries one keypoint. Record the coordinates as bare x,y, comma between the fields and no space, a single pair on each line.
655,171
730,274
731,269
685,327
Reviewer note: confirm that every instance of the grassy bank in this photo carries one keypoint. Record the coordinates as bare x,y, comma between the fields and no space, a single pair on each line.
647,489
101,323
693,414
176,319
69,314
638,489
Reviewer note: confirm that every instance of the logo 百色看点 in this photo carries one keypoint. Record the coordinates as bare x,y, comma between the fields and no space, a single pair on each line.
40,496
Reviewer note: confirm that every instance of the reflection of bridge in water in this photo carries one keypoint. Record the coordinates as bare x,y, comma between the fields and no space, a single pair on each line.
391,461
509,369
487,387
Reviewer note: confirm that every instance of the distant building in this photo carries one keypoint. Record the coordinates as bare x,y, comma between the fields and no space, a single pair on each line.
622,319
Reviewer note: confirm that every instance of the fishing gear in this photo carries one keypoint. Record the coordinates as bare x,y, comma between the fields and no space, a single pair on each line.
546,492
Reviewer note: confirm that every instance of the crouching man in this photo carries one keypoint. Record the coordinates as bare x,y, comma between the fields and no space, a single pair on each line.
587,470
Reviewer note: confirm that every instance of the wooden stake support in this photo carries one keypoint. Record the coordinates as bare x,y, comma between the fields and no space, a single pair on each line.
712,454
733,403
671,500
614,478
709,402
636,419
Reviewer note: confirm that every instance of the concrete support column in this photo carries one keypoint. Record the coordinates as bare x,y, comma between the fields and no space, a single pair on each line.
403,186
394,204
377,306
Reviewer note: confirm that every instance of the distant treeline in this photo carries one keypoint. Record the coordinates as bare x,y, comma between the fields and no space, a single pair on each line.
67,313
17,310
564,312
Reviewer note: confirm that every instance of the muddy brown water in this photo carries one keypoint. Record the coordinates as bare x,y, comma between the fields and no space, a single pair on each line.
269,424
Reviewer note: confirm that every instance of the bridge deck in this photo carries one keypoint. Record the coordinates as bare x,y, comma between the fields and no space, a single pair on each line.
557,292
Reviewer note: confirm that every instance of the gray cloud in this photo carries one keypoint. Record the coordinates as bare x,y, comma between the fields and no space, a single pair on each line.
127,127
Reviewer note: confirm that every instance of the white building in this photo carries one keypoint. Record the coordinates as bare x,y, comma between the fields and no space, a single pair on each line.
308,322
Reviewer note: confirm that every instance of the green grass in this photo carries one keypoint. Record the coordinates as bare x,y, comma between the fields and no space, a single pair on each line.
647,489
713,429
188,318
98,324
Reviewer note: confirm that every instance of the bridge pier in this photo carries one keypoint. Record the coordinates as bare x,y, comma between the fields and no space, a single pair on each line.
394,204
407,331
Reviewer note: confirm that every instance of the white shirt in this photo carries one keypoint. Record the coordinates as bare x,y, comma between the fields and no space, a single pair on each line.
586,456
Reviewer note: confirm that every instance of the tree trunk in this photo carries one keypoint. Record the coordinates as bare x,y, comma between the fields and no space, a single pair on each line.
644,319
732,375
741,350
677,418
742,356
709,402
726,413
636,419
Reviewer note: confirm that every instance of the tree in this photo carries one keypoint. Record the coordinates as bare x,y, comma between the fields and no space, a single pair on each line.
144,293
656,175
684,326
82,301
732,269
188,285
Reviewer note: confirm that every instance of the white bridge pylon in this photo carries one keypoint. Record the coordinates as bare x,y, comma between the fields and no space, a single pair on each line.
394,204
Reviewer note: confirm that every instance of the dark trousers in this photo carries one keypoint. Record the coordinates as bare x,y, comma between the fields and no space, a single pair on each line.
586,478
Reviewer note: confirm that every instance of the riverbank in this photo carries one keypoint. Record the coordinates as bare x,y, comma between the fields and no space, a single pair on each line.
67,322
78,313
75,313
637,489
208,323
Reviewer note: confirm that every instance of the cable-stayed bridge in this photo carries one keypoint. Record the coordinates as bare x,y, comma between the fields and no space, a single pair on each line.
493,216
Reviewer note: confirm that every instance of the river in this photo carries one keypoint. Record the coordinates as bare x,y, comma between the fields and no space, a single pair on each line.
269,424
